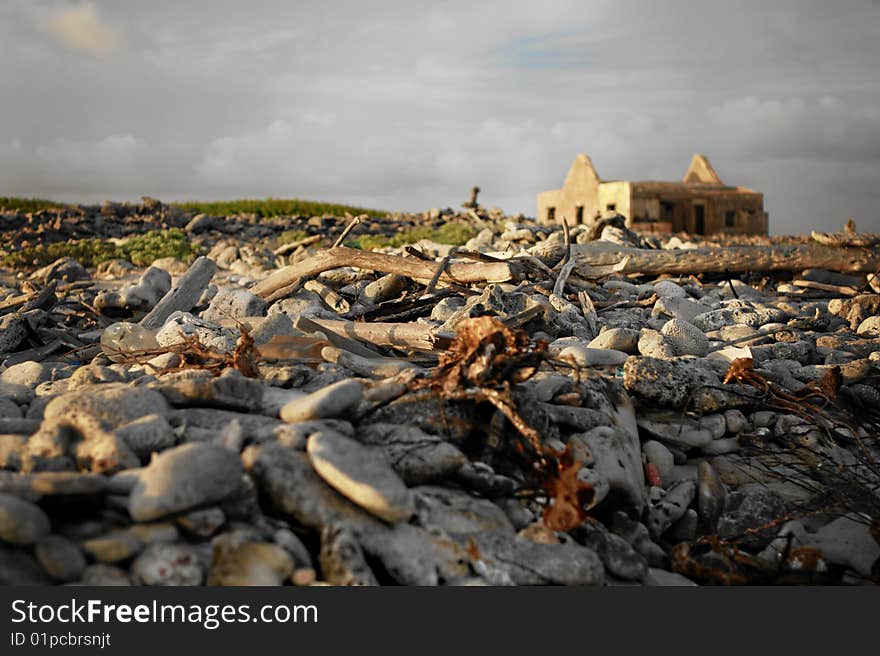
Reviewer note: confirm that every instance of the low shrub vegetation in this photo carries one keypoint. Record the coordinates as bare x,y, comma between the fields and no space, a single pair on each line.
267,207
452,233
140,250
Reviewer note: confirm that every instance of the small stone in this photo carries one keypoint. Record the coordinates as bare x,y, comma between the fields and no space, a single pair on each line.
671,507
584,356
182,325
847,541
714,424
617,555
669,289
122,340
28,373
674,383
21,522
674,429
286,478
617,460
660,456
147,434
524,562
735,421
244,562
13,331
617,339
685,529
410,555
182,478
416,456
335,400
230,390
202,523
361,474
60,558
47,484
11,447
274,325
112,548
721,447
458,513
661,577
711,496
142,296
870,327
342,559
104,575
751,507
637,535
654,344
678,308
686,338
234,304
167,565
154,532
10,409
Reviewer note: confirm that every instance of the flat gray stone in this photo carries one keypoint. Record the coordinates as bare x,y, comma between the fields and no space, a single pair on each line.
286,478
60,558
21,522
342,559
671,507
416,456
361,474
182,478
751,507
458,513
523,562
335,400
661,577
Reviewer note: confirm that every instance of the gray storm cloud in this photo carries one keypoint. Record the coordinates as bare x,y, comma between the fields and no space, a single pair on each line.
402,106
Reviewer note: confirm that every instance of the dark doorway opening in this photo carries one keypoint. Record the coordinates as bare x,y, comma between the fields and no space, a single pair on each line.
579,214
551,214
700,219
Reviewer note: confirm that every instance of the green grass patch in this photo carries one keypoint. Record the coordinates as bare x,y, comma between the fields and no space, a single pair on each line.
11,204
140,250
290,236
268,207
451,233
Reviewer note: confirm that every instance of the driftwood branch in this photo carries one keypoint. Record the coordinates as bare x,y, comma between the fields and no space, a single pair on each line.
184,295
333,258
733,259
401,335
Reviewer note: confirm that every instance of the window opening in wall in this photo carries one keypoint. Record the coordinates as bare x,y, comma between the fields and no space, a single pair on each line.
730,218
611,207
579,214
551,214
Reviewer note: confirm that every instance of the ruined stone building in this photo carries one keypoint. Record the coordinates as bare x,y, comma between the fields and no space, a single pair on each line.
700,204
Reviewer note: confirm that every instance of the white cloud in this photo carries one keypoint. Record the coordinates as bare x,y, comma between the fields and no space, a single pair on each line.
81,28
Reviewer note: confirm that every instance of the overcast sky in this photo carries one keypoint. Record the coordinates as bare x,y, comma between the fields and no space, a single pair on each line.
406,105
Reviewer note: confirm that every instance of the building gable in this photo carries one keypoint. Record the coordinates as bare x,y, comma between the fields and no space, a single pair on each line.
700,171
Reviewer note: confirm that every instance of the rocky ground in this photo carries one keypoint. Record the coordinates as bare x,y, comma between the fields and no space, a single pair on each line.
491,414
